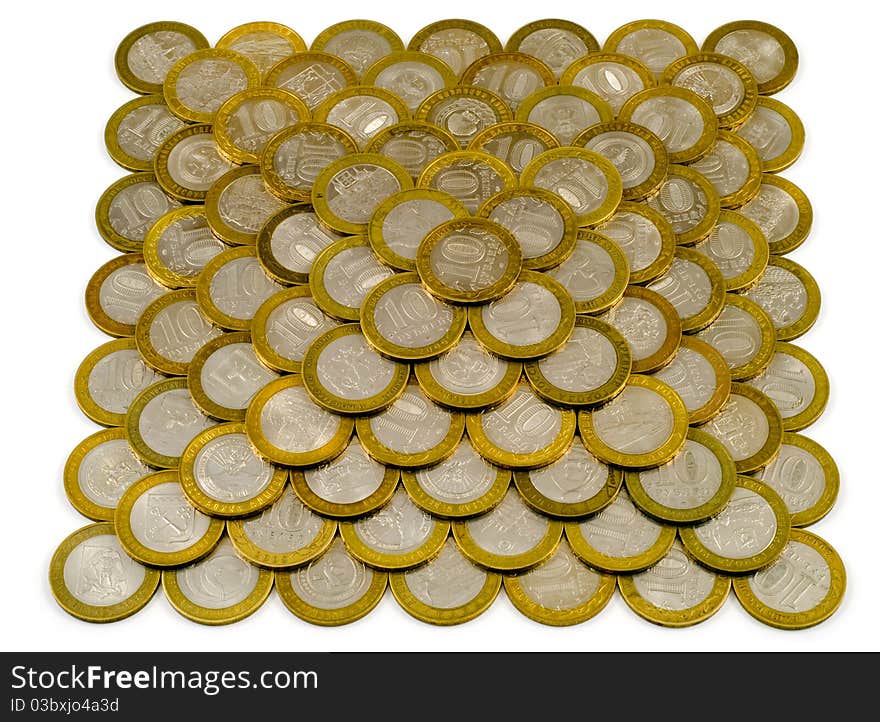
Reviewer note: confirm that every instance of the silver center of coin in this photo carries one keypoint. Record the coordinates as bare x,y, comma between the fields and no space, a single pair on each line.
291,421
471,182
788,383
730,248
354,192
137,207
638,237
203,85
313,81
527,315
781,294
220,580
179,330
300,158
775,212
349,478
457,47
578,182
447,581
255,120
631,155
523,424
406,225
293,325
576,477
675,121
691,479
642,324
362,116
334,580
264,48
399,527
612,81
286,526
691,376
99,573
676,582
412,424
108,470
351,369
245,204
742,529
655,47
463,117
412,148
351,273
682,202
151,56
117,378
163,520
359,48
511,528
735,334
797,476
512,80
142,130
232,375
187,245
240,286
620,530
517,148
562,582
557,47
297,240
636,421
127,291
469,259
467,368
718,84
537,226
228,469
564,116
686,285
195,162
760,52
407,315
463,477
796,582
741,426
726,167
587,361
170,420
411,81
587,273
768,131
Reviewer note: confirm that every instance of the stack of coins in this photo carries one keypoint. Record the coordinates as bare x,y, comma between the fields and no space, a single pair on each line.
448,317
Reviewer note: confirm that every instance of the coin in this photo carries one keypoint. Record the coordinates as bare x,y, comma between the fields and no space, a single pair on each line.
695,288
563,110
471,177
620,538
513,76
333,589
523,432
360,43
463,111
178,245
591,368
796,383
790,296
533,319
170,331
157,525
98,471
127,209
782,212
747,534
733,167
410,75
343,373
460,486
557,43
136,130
351,485
700,376
118,292
237,204
513,143
93,579
362,111
676,591
264,43
413,144
689,202
284,535
287,427
750,426
405,322
743,334
449,589
146,54
108,379
738,248
776,132
694,486
656,43
311,77
642,427
412,433
645,237
220,589
612,76
805,475
574,486
456,42
188,162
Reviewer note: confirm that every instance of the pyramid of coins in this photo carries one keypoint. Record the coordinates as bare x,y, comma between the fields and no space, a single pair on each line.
448,317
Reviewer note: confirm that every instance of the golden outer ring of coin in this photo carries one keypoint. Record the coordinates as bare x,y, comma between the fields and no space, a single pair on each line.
534,350
805,215
566,244
764,355
449,510
771,446
478,142
599,104
713,205
798,620
218,225
203,289
675,617
226,615
376,235
148,351
383,31
377,143
338,510
690,515
214,507
93,295
722,379
646,460
327,399
749,277
267,355
434,282
319,188
484,33
323,110
752,184
169,88
137,551
789,66
679,33
513,562
702,318
653,270
160,163
832,479
226,144
331,617
500,168
102,212
155,265
814,299
194,376
503,114
407,353
771,552
710,121
321,296
372,73
822,390
540,68
393,562
273,180
330,450
612,178
84,400
297,44
88,612
338,63
667,350
72,489
515,40
111,138
652,183
276,270
544,388
793,151
247,548
585,61
120,61
619,565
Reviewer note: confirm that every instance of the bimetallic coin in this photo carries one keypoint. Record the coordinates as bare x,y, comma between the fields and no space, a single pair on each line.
790,296
656,43
747,534
137,129
743,334
410,75
128,208
557,43
782,212
312,76
471,177
286,534
676,591
99,470
796,383
513,143
220,589
463,111
146,54
750,426
523,432
333,589
461,486
646,238
734,167
362,111
449,589
691,488
591,368
118,292
343,373
806,477
225,374
612,76
414,432
642,427
694,286
109,378
457,42
237,204
188,162
413,144
170,331
620,539
689,202
700,376
93,579
265,43
360,43
776,132
564,110
738,248
513,76
397,536
157,525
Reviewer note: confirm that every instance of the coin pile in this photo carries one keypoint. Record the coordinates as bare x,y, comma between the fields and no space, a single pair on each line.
448,317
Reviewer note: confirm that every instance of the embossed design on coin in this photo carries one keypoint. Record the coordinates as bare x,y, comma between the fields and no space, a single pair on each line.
151,54
743,528
690,480
783,295
413,424
408,316
355,190
335,580
527,315
176,332
468,369
232,375
126,291
292,325
349,478
351,274
699,375
620,531
448,581
611,76
576,477
163,520
312,76
510,529
413,144
522,425
237,286
642,324
676,583
107,470
557,43
243,205
135,132
192,160
294,244
788,383
227,469
117,378
562,582
169,421
130,207
291,421
360,43
458,43
635,422
587,361
219,581
285,527
97,572
398,528
463,477
742,426
741,335
471,177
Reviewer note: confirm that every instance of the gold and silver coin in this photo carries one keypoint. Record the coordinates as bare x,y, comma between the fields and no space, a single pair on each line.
734,167
457,42
612,76
564,110
513,143
178,246
513,76
311,76
656,43
783,213
265,43
129,207
237,204
695,288
469,176
776,132
413,144
410,75
645,237
738,248
146,54
790,295
137,129
689,202
556,42
188,162
464,111
118,292
743,334
360,43
362,111
595,274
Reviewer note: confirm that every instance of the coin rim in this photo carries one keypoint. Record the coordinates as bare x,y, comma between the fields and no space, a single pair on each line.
120,60
297,44
679,33
155,267
96,313
102,210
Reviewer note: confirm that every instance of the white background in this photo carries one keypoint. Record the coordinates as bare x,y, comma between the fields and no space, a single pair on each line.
58,59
